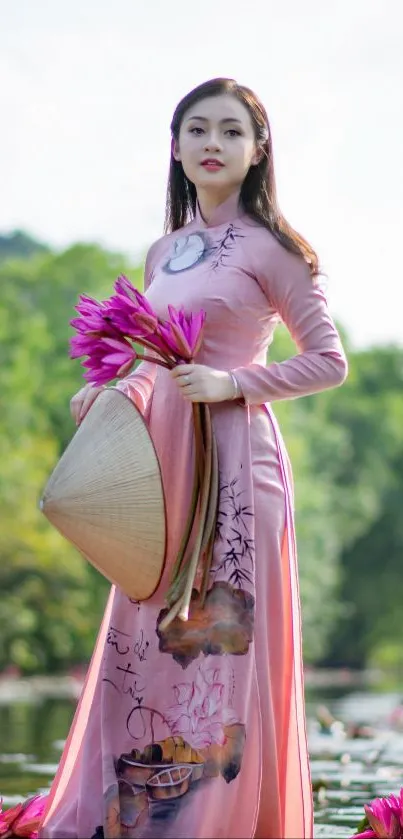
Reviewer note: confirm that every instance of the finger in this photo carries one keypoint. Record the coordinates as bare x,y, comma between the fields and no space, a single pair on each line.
182,370
87,395
88,401
192,394
180,380
75,407
185,386
77,400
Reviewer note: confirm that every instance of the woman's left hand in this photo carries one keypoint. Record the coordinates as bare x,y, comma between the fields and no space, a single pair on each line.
199,383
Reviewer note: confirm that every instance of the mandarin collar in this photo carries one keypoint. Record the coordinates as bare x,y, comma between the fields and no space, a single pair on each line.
229,210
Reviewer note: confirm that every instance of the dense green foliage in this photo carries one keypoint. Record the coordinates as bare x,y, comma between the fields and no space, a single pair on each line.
346,448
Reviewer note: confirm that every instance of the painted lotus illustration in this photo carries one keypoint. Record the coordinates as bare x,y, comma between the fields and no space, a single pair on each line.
201,711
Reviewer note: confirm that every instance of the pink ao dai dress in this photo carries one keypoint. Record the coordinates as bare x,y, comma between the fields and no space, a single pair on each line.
199,731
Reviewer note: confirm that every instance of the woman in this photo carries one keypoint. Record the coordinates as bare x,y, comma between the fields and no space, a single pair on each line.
210,713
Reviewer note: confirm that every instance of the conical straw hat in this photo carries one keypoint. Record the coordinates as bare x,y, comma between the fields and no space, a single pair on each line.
106,496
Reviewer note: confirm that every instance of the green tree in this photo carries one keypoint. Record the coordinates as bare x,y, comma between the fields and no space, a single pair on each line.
54,600
370,406
345,445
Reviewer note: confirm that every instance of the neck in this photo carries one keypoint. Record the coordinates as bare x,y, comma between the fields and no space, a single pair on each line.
208,202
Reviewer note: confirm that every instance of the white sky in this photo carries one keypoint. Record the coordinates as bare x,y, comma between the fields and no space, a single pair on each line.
88,87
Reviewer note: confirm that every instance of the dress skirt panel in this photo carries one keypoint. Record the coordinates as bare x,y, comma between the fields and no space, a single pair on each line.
198,731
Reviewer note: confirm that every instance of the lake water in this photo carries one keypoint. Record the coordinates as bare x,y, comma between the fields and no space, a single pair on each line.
359,757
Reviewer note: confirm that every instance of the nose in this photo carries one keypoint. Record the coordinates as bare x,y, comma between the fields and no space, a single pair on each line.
212,141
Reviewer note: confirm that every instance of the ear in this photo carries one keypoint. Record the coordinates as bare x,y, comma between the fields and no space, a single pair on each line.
175,149
257,156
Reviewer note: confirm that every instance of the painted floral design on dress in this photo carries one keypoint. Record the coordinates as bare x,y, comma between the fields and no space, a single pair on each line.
224,624
192,248
187,251
207,740
202,709
235,548
223,248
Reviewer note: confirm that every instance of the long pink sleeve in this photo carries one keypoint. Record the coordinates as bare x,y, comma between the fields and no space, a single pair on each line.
321,363
139,385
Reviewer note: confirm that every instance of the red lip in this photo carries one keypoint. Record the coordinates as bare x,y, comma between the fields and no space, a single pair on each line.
211,161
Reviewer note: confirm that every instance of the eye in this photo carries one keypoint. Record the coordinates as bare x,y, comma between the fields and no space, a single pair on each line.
197,131
233,132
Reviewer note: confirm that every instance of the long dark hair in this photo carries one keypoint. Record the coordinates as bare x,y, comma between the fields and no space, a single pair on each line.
258,191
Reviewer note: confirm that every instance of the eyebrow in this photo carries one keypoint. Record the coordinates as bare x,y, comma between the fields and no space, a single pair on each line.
226,119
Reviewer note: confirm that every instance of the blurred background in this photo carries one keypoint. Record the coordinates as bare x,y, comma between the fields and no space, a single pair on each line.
86,96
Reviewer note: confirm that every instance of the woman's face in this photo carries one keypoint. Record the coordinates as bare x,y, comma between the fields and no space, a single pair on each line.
216,144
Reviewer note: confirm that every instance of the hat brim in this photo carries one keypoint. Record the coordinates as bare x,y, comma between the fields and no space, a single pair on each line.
106,496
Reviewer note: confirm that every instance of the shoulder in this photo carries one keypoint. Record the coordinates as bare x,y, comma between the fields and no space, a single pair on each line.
273,263
154,250
164,242
164,246
154,253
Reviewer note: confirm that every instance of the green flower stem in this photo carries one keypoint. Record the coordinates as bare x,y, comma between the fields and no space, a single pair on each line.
213,494
208,559
155,361
150,346
179,570
197,409
205,492
188,572
211,523
171,615
177,586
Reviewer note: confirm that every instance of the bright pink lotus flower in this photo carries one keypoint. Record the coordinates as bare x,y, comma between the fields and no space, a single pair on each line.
195,325
127,319
81,345
129,311
7,817
187,331
367,834
167,339
202,709
108,359
24,819
106,329
124,287
92,317
385,818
